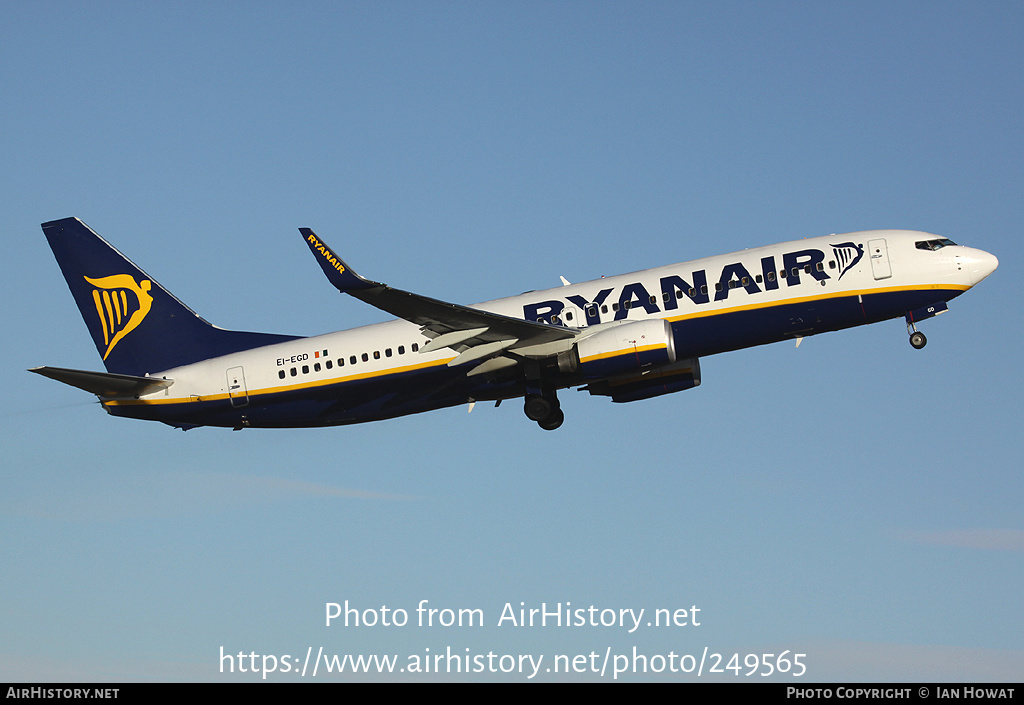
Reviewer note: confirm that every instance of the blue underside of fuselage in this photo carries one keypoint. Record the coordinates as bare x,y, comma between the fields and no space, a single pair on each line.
399,394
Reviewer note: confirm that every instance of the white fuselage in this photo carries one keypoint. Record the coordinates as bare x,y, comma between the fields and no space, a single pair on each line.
781,291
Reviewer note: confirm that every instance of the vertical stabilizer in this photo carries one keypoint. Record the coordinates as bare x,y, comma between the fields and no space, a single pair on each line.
138,326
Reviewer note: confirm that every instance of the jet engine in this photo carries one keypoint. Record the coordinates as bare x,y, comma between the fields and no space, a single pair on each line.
626,348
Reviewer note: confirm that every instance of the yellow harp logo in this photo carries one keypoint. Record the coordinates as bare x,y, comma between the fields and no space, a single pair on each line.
121,304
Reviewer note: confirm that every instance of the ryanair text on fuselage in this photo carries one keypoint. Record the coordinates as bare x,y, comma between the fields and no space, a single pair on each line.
673,288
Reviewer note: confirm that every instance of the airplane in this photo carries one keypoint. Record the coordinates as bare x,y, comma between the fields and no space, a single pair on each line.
628,337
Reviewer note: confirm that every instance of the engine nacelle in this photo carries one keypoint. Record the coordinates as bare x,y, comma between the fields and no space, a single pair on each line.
684,374
623,349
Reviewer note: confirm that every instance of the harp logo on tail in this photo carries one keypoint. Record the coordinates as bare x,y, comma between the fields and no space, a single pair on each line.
121,304
847,254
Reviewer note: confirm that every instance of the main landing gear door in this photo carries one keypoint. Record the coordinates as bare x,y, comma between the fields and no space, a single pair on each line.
236,387
880,266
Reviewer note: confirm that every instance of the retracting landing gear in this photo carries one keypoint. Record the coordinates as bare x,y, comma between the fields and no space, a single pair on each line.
545,410
541,403
917,338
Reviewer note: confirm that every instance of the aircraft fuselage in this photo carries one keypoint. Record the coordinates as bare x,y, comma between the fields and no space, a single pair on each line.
711,305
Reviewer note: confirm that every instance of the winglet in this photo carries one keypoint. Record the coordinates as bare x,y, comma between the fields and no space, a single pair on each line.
339,273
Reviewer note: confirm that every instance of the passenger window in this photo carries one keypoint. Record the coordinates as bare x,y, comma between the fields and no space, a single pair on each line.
352,359
294,372
329,364
376,354
387,353
281,374
771,276
401,350
316,367
366,357
415,347
305,369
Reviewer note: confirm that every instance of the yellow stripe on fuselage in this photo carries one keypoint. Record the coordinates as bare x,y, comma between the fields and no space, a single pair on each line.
284,388
818,297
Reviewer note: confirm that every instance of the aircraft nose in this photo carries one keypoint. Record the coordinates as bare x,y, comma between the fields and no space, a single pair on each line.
979,264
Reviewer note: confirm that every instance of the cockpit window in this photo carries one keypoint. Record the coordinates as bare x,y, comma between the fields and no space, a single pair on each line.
933,244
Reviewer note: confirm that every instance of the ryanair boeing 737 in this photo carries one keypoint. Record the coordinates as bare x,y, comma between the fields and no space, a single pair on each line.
628,337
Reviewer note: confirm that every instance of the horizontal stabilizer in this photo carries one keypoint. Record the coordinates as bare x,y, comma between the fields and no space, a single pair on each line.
105,384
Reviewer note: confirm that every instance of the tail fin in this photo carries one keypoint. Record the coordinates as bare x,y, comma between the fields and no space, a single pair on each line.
138,326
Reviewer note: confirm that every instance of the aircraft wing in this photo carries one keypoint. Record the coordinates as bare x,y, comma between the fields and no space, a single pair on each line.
477,334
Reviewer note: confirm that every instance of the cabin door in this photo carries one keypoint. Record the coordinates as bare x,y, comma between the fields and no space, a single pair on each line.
572,317
236,387
879,253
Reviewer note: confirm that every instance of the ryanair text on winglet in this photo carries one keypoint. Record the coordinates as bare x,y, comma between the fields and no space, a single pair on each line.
327,254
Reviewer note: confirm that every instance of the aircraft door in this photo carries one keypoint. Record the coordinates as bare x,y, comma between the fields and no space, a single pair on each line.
879,253
572,317
237,392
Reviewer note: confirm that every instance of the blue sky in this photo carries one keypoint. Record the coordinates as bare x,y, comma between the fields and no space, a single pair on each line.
853,499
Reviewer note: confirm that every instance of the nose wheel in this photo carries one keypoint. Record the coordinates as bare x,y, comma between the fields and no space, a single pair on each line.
917,339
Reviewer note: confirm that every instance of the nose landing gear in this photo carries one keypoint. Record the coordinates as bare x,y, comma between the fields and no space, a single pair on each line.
917,338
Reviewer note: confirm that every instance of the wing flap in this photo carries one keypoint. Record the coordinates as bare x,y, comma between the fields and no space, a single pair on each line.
481,351
452,339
